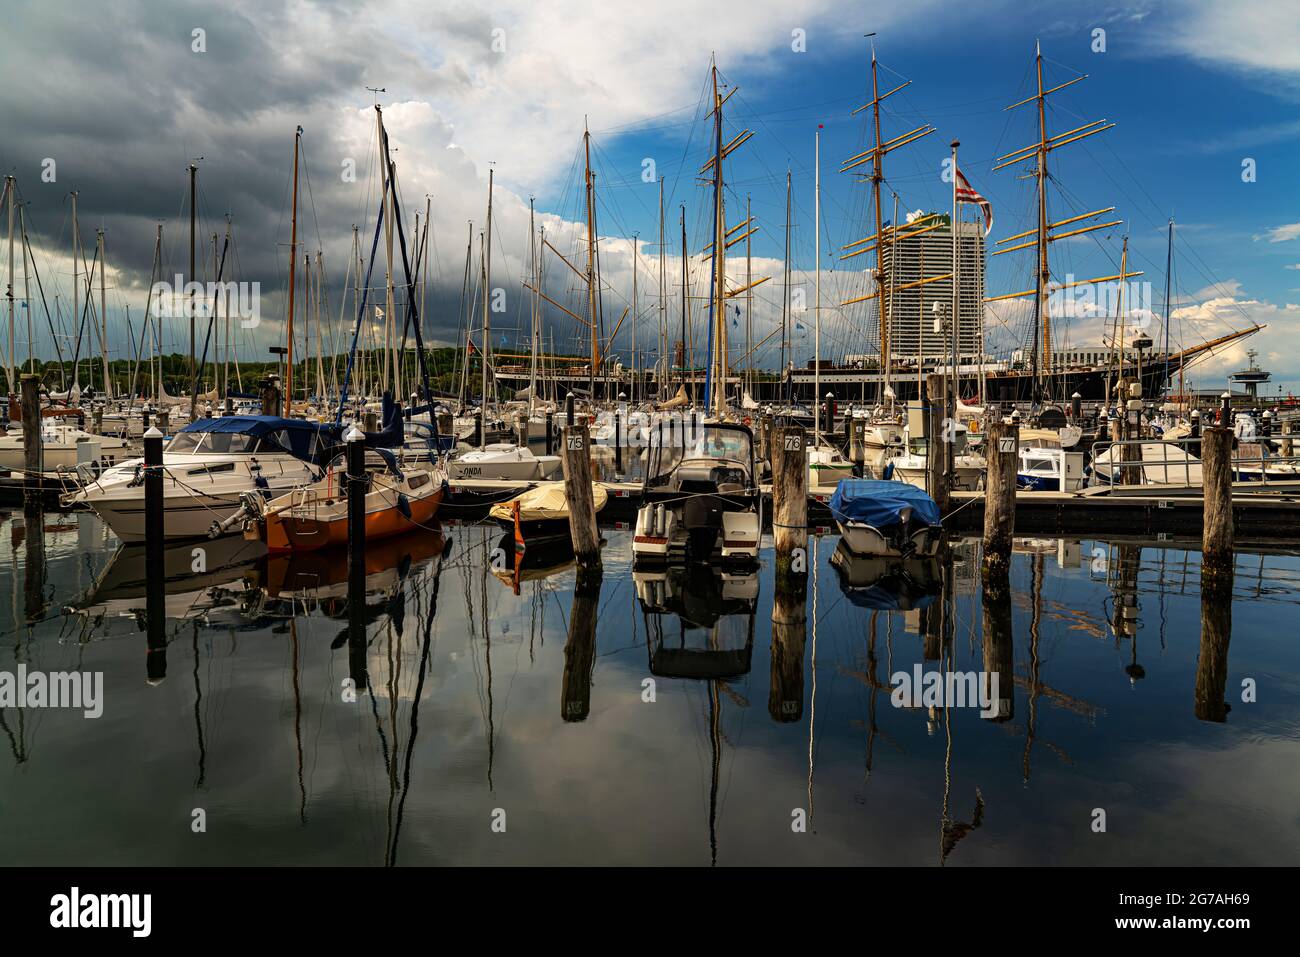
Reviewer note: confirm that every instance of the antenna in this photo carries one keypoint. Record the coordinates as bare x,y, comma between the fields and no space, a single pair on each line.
377,90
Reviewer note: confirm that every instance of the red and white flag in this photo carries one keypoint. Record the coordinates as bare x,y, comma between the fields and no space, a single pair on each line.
966,194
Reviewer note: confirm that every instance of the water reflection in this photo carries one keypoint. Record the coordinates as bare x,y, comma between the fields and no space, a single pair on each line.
387,719
700,626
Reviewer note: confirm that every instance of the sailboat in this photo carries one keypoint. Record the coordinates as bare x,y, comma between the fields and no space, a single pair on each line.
700,496
510,461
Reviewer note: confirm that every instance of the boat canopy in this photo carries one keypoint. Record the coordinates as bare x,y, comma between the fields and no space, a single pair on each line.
299,437
881,504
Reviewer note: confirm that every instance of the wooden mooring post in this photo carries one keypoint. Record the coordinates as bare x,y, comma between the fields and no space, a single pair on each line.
33,447
575,457
1216,530
789,501
1002,453
938,444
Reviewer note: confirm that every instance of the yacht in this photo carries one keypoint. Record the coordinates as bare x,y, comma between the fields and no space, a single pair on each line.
65,447
502,460
207,465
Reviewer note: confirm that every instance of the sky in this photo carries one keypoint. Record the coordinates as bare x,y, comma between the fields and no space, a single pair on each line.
115,102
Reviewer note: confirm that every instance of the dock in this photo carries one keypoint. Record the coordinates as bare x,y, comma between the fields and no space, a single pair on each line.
1159,514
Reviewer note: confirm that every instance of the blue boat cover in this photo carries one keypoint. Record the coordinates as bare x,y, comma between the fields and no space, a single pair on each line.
879,504
301,438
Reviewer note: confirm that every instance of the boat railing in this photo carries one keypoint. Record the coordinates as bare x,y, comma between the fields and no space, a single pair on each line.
1254,463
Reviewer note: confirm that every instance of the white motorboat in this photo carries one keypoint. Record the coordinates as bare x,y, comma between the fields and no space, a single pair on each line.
700,498
207,465
1046,469
1162,463
65,447
504,461
827,466
1046,464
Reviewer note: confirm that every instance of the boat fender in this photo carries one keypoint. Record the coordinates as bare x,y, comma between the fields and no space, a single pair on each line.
260,482
889,471
404,505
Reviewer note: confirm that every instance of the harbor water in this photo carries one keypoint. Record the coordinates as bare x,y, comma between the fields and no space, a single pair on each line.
485,710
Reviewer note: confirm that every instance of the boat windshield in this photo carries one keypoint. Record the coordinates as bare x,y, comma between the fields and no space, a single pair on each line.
198,443
722,445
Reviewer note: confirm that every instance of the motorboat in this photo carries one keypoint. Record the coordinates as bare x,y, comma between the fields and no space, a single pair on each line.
1046,469
65,446
505,461
827,466
700,499
886,518
967,473
207,465
1164,463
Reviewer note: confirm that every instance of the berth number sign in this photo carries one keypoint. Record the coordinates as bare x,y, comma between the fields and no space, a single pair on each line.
1006,443
575,443
793,443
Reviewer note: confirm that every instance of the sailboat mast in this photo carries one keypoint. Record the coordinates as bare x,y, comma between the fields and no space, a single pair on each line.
487,296
194,368
76,257
308,306
1169,269
532,258
785,298
103,313
663,291
749,302
817,281
293,268
685,353
591,263
9,364
636,248
229,344
27,292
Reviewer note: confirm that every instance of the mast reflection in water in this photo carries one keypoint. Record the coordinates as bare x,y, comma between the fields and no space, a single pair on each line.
465,703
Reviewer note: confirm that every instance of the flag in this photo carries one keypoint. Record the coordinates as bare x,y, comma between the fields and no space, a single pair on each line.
966,194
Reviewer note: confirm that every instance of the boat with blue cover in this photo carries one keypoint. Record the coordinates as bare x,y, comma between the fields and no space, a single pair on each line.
886,518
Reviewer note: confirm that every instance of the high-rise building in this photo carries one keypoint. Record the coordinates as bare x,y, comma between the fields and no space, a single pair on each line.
911,311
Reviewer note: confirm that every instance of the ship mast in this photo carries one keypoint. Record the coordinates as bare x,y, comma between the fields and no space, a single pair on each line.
876,242
1044,275
715,383
1041,357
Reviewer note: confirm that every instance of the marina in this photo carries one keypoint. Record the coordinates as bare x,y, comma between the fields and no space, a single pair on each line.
648,436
